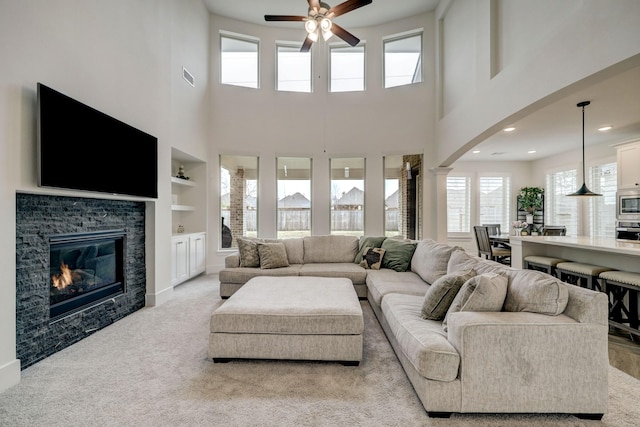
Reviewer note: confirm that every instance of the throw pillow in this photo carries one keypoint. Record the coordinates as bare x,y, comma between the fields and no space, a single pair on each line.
397,255
272,255
441,293
430,259
368,242
536,292
372,258
485,292
248,249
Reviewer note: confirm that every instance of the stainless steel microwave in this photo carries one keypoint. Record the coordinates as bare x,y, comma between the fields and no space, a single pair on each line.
628,205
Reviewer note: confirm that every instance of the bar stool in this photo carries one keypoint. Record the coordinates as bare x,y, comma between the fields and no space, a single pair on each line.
618,285
542,263
577,273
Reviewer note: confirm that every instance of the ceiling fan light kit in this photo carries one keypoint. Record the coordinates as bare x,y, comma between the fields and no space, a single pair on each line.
320,19
583,191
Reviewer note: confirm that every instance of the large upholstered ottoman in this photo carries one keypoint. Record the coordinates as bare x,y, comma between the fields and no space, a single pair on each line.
295,318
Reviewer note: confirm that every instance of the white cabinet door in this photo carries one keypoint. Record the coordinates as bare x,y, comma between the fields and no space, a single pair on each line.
197,254
628,166
180,259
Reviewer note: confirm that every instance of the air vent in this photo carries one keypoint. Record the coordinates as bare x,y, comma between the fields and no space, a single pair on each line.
188,77
497,153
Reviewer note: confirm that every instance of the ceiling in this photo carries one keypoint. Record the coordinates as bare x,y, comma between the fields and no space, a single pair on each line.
378,12
552,126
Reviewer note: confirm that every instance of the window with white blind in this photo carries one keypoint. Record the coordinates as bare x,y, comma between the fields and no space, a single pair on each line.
458,204
239,60
494,201
602,210
561,209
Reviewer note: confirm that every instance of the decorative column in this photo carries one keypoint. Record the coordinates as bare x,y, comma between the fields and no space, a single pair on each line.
441,202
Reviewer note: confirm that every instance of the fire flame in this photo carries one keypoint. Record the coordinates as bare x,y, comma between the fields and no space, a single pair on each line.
64,279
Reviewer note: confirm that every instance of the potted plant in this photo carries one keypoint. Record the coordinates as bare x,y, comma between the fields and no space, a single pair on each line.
530,199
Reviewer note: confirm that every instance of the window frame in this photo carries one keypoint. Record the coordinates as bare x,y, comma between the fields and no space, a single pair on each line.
397,37
338,46
278,179
505,222
594,215
242,38
220,196
550,204
297,46
347,159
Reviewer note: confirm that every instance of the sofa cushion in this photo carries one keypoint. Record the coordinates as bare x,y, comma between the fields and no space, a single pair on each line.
397,254
355,273
485,292
423,342
441,293
368,242
536,292
372,258
272,255
295,250
430,259
384,281
330,249
241,275
248,250
461,260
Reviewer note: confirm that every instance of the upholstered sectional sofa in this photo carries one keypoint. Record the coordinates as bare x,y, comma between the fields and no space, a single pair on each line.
472,335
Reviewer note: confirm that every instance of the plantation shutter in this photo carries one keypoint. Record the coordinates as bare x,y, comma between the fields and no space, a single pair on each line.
458,204
561,209
494,201
602,210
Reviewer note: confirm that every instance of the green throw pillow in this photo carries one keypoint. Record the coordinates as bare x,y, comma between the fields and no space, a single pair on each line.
397,255
368,242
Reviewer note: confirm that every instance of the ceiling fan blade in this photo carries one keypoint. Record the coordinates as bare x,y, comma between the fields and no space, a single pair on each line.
347,6
314,4
294,18
344,34
306,46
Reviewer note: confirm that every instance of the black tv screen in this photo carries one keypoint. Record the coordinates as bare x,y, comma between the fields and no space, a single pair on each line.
81,148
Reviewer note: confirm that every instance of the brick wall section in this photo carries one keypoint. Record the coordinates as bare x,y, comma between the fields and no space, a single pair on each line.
37,218
415,161
236,205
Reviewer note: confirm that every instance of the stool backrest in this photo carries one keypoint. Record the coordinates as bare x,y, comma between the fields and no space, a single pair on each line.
554,230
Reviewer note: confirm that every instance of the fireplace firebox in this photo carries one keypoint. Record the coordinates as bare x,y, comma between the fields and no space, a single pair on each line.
85,269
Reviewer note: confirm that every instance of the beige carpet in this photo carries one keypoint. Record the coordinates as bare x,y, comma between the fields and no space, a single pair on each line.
152,369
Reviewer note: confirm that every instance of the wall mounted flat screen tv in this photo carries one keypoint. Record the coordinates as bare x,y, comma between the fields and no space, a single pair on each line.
81,148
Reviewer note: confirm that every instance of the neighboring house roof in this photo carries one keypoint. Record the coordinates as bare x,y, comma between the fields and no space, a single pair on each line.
295,200
354,197
391,202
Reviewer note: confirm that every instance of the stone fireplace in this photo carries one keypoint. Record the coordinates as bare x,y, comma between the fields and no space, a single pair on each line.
80,266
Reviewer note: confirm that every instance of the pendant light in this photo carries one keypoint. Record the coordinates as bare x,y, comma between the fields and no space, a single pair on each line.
583,191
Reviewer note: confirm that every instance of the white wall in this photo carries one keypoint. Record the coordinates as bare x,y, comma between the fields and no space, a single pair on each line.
121,57
371,124
517,54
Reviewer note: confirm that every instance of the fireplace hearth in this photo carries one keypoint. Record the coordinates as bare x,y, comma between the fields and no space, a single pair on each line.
101,243
85,269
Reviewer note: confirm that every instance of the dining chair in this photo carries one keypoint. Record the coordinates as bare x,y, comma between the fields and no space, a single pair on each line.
554,230
494,229
501,255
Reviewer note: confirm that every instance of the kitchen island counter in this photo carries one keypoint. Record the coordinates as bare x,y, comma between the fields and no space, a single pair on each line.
603,251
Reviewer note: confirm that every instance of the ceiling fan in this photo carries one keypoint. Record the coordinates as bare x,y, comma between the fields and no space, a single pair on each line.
320,19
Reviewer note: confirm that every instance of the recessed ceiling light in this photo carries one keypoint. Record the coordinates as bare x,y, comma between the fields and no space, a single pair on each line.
531,151
476,151
510,129
605,128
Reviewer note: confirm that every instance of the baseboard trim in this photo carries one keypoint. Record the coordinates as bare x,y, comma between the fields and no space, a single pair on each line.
9,375
159,298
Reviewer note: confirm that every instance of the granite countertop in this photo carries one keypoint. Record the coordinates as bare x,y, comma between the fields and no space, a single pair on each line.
604,244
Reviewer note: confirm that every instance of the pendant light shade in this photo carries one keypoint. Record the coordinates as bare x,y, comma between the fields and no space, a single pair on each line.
583,191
